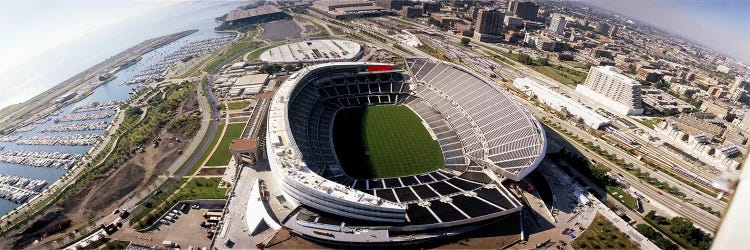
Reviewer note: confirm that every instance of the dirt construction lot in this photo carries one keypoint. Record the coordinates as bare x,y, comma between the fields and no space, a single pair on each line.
115,186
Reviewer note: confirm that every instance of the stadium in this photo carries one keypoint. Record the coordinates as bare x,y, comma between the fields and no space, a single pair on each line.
375,155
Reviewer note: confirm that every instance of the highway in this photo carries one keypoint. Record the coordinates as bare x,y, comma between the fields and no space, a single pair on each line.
690,192
701,218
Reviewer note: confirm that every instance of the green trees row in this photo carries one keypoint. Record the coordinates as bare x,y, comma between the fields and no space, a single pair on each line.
681,230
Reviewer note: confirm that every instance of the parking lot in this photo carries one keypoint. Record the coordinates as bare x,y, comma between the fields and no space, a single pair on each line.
184,231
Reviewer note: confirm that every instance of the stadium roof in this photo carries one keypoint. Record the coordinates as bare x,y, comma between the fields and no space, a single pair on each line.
247,13
313,51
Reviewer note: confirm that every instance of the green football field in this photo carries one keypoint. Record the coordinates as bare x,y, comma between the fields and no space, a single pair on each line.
384,141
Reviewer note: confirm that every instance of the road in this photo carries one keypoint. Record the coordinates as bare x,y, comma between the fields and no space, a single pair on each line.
701,218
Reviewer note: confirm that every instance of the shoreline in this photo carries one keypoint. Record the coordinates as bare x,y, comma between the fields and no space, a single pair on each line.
82,84
71,174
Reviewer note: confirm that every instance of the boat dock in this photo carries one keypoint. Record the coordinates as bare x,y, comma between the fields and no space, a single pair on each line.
41,159
19,189
9,138
84,117
76,127
187,52
96,106
60,140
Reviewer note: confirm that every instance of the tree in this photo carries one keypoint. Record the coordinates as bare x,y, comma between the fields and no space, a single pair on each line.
525,59
465,41
270,68
682,227
647,231
290,67
133,111
661,84
631,68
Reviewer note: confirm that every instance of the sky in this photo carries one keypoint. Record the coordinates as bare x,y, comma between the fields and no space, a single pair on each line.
44,42
723,25
31,28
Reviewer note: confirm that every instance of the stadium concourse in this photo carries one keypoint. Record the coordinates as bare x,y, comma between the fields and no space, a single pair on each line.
486,138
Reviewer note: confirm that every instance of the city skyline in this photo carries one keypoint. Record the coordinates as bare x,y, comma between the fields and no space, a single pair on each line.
699,21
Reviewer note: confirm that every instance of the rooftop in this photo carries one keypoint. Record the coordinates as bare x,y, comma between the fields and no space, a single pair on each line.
258,11
243,144
313,51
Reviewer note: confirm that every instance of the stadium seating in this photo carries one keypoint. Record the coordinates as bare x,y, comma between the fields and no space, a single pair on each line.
491,125
475,124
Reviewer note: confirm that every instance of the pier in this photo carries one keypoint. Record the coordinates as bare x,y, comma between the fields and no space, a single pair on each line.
60,140
19,189
41,159
96,106
76,127
190,50
9,138
26,128
84,117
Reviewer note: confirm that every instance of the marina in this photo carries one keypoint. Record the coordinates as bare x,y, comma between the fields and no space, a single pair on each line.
84,117
97,106
19,189
9,138
43,120
40,158
185,53
200,17
75,127
60,140
27,128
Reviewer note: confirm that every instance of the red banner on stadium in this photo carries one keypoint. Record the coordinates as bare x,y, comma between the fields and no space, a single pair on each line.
372,68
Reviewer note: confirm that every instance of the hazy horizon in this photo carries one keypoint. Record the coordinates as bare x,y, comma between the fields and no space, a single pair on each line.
721,25
45,40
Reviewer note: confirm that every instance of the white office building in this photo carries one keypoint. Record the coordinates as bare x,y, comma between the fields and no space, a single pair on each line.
612,90
560,102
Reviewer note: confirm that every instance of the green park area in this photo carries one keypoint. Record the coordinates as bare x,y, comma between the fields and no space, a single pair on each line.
602,234
221,156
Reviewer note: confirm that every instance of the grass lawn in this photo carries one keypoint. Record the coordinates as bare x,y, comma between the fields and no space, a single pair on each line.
626,198
221,156
235,105
391,140
602,234
255,54
202,188
219,130
650,122
567,76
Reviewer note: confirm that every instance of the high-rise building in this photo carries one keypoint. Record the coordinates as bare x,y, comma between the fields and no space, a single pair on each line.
395,4
601,28
430,7
557,25
512,6
613,90
526,10
738,83
613,31
489,26
411,11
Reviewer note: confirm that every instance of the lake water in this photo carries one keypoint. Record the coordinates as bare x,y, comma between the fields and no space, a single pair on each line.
81,55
